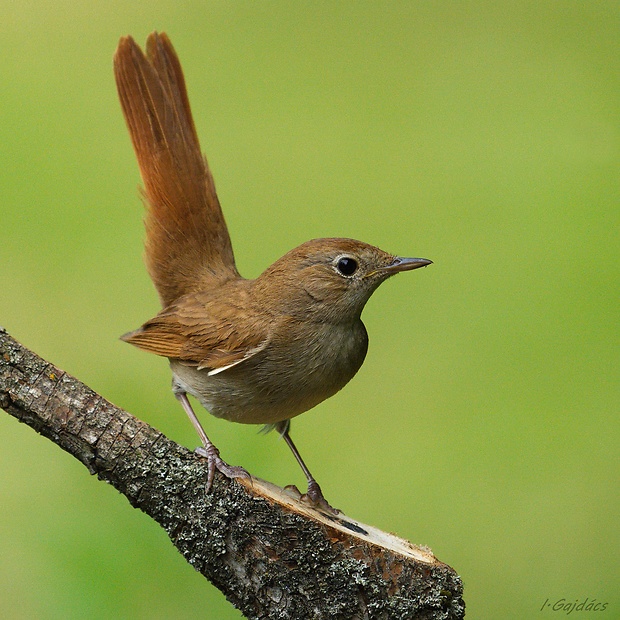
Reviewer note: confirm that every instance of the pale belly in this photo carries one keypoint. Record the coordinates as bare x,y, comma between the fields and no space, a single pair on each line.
280,382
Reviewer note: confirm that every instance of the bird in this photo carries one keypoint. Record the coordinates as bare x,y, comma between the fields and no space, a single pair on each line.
251,351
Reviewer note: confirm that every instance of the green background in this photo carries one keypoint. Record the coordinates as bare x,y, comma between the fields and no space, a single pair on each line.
484,423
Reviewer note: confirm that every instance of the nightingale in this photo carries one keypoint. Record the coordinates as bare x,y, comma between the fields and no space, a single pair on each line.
251,351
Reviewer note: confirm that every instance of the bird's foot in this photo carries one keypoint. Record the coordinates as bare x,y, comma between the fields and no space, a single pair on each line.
215,461
314,497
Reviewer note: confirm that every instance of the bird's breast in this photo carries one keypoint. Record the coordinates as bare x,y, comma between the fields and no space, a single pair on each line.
303,365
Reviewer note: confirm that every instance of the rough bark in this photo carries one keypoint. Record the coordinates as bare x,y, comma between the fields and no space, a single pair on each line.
270,554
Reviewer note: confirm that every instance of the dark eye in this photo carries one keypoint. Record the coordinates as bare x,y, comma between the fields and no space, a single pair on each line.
347,266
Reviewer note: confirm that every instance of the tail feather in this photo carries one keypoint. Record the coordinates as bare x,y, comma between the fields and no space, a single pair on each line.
187,241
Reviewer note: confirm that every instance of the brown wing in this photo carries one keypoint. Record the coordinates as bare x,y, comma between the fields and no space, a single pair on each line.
187,241
202,330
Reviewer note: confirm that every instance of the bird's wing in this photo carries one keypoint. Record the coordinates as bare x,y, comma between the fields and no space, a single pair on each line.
212,335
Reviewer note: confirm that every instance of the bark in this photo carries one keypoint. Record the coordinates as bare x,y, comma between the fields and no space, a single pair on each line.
270,554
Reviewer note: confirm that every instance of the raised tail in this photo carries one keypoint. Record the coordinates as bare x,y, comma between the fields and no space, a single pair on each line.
187,241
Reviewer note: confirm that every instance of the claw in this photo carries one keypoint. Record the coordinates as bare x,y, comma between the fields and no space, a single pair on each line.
314,497
208,450
215,461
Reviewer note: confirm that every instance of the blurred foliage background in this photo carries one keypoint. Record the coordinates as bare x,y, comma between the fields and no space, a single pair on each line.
484,423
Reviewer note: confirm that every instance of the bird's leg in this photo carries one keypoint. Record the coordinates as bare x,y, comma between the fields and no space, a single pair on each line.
314,495
209,451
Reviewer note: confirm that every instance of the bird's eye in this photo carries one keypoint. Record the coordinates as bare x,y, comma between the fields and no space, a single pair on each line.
347,266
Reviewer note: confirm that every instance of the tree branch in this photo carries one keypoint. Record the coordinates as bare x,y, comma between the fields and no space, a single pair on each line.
270,554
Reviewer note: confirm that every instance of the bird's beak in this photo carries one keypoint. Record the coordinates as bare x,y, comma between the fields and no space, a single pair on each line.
406,264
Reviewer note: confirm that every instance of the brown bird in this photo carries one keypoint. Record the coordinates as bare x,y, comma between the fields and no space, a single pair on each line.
251,351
